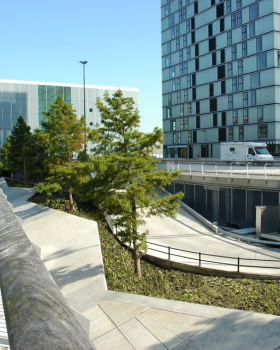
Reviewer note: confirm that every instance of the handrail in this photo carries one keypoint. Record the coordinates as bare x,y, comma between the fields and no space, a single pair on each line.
200,260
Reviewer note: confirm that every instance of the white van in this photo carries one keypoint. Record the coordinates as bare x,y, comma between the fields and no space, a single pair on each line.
245,151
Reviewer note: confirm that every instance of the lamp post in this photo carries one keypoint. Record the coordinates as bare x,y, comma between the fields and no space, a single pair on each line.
206,148
84,63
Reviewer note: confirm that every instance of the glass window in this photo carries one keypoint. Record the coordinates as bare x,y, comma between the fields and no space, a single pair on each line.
254,11
262,131
174,138
169,47
240,83
233,52
234,84
189,137
238,4
229,37
188,53
233,20
240,67
185,40
244,49
245,99
278,58
239,18
167,9
244,32
177,30
180,16
255,80
178,84
181,69
178,44
171,20
260,114
174,85
228,6
259,44
173,125
189,82
167,61
261,60
185,95
182,124
180,4
181,56
179,137
245,116
169,99
171,72
178,97
252,29
184,14
189,108
185,68
168,112
229,70
188,25
241,133
230,134
234,117
173,33
253,98
230,101
186,124
181,110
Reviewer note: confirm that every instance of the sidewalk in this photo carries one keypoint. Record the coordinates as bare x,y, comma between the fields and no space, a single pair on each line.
70,249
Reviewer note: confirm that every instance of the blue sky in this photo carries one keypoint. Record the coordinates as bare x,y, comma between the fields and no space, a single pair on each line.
45,40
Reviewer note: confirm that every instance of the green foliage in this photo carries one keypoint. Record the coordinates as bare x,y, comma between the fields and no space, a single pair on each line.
62,136
126,173
11,153
6,159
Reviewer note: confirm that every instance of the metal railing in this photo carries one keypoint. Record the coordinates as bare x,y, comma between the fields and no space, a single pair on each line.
197,259
216,168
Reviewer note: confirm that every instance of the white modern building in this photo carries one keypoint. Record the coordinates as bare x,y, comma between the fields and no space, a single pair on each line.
30,99
220,75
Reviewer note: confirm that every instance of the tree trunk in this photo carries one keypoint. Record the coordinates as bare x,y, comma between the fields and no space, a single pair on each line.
71,202
12,176
137,261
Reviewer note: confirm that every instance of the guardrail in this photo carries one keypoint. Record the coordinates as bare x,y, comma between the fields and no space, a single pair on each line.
246,169
197,259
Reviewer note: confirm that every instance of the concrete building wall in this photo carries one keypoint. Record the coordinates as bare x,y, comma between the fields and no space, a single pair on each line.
30,99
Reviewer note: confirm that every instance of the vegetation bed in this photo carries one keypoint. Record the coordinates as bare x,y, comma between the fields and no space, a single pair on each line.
244,294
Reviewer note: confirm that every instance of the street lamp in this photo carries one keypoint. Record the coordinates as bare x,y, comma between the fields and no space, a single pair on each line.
84,63
206,148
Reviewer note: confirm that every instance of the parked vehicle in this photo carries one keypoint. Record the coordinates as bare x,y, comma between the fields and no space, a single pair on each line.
256,152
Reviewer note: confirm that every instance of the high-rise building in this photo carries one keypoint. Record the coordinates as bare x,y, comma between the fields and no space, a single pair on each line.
220,75
30,99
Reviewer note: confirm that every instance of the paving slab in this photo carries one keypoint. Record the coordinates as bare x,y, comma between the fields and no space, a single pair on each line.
120,312
113,340
139,336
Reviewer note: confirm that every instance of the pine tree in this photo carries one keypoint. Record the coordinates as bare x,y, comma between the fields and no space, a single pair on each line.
125,173
19,136
65,136
6,159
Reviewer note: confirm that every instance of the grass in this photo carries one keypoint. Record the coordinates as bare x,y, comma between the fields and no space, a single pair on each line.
17,183
244,294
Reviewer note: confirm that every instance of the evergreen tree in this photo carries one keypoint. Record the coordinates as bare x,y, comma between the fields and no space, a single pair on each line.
125,173
6,159
19,136
65,136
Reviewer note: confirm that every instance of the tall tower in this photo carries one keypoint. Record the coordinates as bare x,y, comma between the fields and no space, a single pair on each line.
220,75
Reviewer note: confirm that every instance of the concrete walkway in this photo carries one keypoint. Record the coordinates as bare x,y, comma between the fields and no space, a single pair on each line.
187,233
70,249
